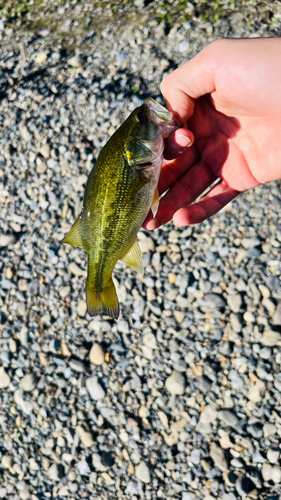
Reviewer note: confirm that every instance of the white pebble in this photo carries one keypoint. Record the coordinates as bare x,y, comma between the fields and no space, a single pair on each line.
28,383
183,46
94,388
85,437
7,239
76,61
45,150
7,461
208,415
270,338
81,308
96,355
175,383
142,472
4,378
41,58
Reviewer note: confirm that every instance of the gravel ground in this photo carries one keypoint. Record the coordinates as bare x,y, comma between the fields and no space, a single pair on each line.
181,397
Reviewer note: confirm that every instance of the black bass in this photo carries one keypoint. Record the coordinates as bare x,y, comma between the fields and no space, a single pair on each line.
121,189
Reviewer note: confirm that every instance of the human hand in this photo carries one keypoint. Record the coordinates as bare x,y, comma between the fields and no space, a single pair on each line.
230,94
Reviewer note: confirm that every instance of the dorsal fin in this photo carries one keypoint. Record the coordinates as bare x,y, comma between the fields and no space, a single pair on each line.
133,257
155,202
74,237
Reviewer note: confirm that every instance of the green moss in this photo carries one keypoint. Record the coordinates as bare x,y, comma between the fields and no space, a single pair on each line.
46,14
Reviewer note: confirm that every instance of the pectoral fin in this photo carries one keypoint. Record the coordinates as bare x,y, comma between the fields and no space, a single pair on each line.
155,202
133,257
74,237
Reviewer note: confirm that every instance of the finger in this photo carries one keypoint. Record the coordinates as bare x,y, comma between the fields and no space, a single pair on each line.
192,80
177,143
182,193
217,198
172,170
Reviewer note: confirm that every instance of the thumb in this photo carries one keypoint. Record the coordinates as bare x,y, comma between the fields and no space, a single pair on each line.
190,81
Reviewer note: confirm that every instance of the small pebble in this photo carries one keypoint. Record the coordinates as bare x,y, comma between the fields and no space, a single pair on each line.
96,355
270,338
28,383
217,455
4,378
142,472
41,58
76,61
175,383
95,389
86,437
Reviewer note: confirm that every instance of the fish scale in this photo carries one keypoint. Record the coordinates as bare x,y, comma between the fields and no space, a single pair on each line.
121,188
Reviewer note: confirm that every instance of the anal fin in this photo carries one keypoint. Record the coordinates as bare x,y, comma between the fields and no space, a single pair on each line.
155,202
74,237
133,257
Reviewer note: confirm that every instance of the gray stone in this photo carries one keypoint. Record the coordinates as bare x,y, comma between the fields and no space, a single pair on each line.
250,242
217,455
175,383
228,417
195,456
187,495
123,326
212,300
269,429
256,212
276,318
209,414
234,302
83,467
258,458
236,322
76,61
25,405
255,429
94,388
216,277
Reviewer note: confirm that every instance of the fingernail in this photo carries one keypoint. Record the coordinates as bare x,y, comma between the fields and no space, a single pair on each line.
181,142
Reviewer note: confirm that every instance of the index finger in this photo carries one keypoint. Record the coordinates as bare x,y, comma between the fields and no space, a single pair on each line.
190,81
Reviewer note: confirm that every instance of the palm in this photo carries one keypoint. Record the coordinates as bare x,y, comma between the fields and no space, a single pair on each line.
226,148
236,129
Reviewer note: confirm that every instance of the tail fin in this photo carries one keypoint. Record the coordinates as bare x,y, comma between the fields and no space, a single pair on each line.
103,302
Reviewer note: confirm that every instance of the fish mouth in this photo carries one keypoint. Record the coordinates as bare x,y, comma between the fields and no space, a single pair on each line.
158,112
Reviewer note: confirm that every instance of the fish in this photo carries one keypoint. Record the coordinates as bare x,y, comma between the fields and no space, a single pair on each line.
120,190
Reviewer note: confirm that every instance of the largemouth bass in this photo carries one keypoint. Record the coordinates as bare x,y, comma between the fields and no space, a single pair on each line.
121,189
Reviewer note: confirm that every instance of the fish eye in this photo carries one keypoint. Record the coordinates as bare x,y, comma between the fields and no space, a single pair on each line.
142,118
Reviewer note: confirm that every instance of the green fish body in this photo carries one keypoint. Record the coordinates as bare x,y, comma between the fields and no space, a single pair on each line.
121,189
